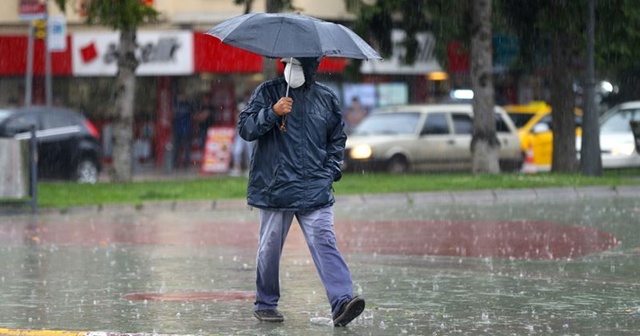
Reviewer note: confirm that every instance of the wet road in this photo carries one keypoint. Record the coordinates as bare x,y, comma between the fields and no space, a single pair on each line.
549,261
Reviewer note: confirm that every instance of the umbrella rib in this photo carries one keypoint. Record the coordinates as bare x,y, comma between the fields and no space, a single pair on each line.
275,41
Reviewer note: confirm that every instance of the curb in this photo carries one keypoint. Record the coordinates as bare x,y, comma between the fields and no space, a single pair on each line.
496,196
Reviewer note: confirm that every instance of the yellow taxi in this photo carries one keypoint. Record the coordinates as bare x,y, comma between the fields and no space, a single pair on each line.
534,129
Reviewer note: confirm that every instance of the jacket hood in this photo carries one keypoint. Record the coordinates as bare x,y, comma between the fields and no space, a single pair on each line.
310,68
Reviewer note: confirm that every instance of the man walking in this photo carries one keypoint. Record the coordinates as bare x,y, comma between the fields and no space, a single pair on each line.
299,142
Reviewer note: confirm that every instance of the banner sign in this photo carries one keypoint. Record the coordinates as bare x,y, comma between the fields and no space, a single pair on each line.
161,53
57,33
30,10
217,150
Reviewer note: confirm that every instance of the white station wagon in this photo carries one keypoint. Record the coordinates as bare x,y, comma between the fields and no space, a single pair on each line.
428,138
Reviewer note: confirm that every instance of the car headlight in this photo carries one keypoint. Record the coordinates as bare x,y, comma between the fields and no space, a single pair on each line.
623,149
360,152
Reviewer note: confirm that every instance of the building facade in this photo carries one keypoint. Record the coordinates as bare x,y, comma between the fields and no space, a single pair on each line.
176,56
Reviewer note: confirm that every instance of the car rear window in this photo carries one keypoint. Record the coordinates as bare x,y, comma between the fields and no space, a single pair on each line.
619,121
501,125
388,123
436,124
20,123
520,119
4,114
60,119
462,123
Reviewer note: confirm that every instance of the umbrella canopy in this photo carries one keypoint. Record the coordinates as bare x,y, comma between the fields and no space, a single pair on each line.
277,35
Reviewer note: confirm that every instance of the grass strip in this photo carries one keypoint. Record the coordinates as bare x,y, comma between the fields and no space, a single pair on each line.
68,194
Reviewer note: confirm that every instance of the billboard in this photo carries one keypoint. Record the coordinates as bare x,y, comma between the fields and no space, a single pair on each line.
158,53
30,10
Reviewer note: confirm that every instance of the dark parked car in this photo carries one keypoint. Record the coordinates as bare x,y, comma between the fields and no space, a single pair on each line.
68,143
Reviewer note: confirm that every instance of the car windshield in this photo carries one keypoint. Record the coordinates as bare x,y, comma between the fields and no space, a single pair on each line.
619,121
388,123
520,119
4,114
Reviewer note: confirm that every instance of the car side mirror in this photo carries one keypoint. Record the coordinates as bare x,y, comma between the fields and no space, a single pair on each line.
540,128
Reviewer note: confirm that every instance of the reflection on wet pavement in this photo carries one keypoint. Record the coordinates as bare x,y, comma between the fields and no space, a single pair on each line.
566,268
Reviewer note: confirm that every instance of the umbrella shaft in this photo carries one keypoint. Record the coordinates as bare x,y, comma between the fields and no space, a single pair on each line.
290,62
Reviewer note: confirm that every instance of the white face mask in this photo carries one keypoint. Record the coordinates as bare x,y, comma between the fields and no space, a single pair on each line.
294,75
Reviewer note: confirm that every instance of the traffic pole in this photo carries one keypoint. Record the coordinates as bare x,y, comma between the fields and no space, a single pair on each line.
29,71
47,59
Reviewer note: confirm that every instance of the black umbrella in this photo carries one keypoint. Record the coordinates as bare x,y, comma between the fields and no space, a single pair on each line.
277,35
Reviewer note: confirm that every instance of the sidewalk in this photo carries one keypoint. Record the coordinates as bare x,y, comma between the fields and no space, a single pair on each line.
496,262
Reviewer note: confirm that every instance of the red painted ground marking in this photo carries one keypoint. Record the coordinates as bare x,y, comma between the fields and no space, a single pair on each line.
192,296
517,239
460,238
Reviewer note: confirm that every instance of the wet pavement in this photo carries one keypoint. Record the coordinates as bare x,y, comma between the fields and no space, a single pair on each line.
497,262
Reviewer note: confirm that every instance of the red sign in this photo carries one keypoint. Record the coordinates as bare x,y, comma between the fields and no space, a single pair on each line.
32,10
458,57
15,62
209,56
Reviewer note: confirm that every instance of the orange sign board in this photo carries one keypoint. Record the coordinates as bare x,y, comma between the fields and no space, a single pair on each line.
217,150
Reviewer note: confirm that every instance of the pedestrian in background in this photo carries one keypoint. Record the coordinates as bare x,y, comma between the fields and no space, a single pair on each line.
242,149
182,131
205,118
354,114
300,140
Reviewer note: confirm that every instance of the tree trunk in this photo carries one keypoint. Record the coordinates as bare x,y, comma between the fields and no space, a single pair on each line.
590,157
562,102
485,146
124,100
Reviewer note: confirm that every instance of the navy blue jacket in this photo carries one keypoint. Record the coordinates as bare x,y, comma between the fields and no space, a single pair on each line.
293,170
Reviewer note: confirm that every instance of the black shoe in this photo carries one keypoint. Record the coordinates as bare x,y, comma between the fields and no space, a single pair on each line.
268,315
349,311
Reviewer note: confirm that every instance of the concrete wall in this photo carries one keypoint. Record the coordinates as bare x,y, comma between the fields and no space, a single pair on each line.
14,168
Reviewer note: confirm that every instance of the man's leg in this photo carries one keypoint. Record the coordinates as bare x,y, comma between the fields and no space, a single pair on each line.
274,226
335,275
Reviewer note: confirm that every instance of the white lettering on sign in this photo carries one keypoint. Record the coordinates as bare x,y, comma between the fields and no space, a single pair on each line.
158,53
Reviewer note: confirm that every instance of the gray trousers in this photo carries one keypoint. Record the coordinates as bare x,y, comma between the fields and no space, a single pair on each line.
317,227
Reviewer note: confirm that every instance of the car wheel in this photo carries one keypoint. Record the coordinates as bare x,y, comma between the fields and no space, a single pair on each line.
398,165
86,172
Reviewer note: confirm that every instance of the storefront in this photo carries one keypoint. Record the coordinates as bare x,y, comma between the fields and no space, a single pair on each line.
170,62
181,61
